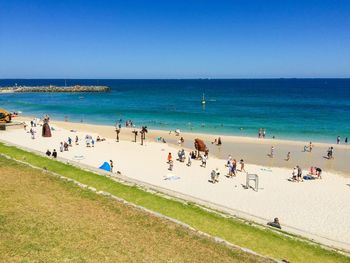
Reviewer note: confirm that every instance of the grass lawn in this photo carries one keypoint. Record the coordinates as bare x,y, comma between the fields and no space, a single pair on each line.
44,219
262,241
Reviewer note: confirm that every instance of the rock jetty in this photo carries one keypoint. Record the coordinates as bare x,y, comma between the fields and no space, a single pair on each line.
51,88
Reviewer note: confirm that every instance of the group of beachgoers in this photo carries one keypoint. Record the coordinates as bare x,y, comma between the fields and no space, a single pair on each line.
297,174
262,133
194,155
345,140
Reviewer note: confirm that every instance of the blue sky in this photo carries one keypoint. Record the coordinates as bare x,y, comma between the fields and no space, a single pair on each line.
174,39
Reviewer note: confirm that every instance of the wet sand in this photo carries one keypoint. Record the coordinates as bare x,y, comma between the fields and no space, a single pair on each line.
251,150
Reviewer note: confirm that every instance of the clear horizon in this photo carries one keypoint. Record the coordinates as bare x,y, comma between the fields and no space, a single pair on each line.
174,39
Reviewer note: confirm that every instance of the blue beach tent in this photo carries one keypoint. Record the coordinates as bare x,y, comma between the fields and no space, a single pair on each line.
105,166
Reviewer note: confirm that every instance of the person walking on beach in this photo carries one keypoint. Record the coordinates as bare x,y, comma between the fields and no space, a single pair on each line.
61,147
346,140
310,147
288,156
169,159
242,166
272,153
338,140
111,166
204,161
300,172
76,140
54,153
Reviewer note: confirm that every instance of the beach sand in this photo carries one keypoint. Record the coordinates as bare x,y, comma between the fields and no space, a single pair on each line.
317,209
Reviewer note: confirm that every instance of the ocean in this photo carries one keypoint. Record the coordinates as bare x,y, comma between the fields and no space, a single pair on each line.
295,109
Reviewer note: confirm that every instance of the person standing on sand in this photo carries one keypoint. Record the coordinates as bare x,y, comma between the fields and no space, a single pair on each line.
300,172
338,140
111,166
76,140
54,153
242,166
204,161
169,158
288,156
310,147
346,140
61,147
264,133
272,153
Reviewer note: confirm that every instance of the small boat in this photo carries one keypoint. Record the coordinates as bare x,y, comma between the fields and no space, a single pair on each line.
203,99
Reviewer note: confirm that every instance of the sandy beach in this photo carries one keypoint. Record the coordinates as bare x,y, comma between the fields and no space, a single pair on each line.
316,208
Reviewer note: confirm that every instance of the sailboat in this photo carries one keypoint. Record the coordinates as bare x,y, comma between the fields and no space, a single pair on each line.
203,99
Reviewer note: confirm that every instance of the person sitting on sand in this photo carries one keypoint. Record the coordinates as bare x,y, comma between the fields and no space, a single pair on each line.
54,153
330,153
318,172
214,142
275,223
48,153
98,139
169,159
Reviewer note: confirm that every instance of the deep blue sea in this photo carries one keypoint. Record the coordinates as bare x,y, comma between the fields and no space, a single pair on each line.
307,109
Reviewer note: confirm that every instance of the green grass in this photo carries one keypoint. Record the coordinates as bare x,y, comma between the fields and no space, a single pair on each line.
263,241
44,219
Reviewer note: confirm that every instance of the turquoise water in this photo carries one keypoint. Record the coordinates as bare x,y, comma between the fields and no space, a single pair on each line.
307,109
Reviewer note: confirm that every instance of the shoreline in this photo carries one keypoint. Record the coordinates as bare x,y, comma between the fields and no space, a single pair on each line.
252,150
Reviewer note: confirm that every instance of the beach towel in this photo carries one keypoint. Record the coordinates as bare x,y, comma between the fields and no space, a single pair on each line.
105,166
308,177
171,177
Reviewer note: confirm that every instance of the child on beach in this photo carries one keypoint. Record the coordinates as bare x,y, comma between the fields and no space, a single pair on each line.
242,166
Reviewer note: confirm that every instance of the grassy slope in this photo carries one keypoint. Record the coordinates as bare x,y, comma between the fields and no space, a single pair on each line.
262,241
44,219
